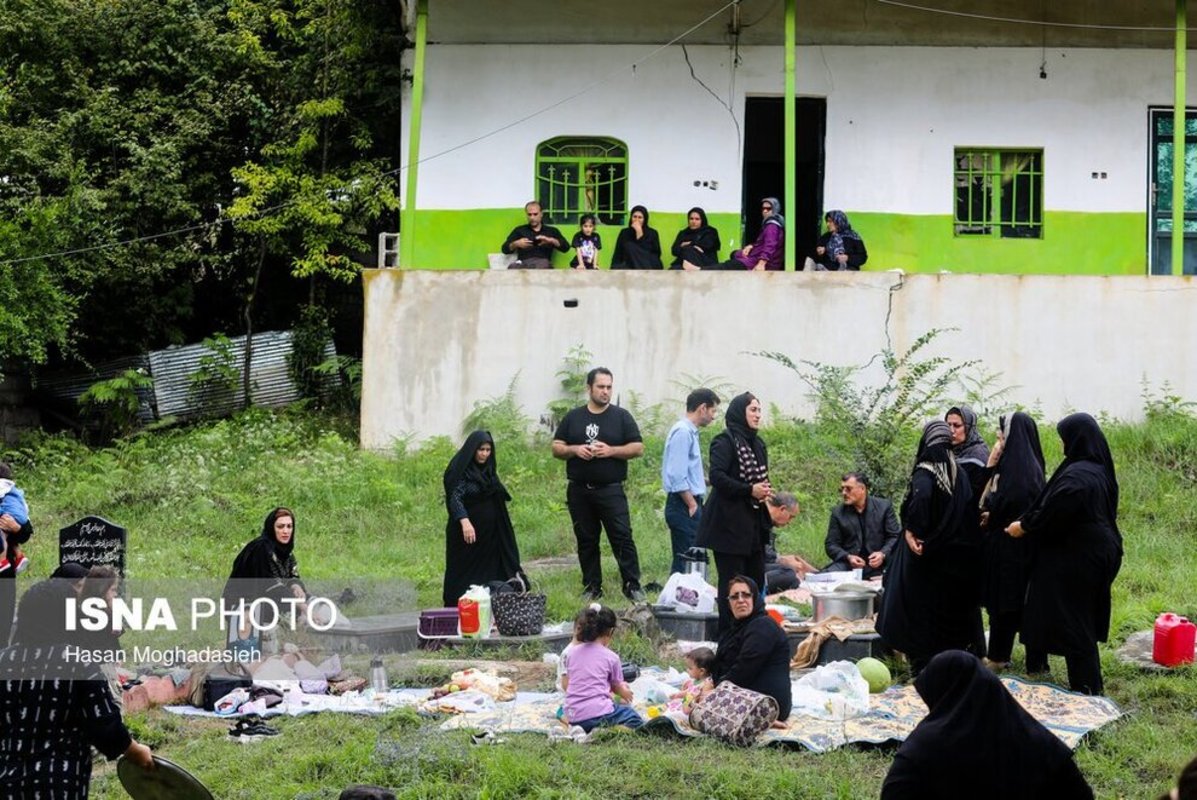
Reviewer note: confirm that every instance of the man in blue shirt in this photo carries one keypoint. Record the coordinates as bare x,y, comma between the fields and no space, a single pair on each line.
682,475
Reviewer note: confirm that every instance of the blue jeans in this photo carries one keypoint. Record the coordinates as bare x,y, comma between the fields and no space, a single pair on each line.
682,528
622,715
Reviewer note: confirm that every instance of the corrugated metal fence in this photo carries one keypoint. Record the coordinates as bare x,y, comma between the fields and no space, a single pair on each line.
174,394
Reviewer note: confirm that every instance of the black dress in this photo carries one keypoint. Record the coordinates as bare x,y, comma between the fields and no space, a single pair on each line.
754,653
1017,480
701,247
637,253
1073,528
930,603
978,742
475,492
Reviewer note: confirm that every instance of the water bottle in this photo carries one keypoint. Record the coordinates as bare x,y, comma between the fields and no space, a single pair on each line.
378,676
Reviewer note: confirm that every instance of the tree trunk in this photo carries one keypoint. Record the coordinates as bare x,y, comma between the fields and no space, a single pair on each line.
246,383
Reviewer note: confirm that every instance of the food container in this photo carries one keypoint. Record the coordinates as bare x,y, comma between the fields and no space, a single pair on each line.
849,605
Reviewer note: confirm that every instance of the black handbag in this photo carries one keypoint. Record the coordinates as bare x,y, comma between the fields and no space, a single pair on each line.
518,613
223,679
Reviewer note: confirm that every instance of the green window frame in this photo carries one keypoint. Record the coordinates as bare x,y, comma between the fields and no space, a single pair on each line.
998,192
578,175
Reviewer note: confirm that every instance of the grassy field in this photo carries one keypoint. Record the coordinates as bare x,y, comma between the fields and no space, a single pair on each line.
191,497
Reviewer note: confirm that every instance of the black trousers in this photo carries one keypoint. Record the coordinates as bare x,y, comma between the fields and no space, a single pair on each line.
593,508
1084,670
1003,625
728,566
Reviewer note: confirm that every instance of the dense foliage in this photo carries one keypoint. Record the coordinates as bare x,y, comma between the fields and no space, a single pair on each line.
123,119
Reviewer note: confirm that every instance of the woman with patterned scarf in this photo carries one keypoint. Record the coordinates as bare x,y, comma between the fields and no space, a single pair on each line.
840,247
930,602
735,523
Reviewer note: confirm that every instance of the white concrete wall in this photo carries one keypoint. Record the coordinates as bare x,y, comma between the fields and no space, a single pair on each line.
894,115
435,343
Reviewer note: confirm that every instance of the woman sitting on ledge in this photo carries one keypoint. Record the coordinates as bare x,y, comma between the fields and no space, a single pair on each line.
697,244
767,252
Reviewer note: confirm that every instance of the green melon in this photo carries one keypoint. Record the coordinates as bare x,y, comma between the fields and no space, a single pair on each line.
875,673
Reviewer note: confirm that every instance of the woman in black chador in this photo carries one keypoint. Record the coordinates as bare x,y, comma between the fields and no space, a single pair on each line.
638,245
697,244
1073,528
978,742
480,542
930,602
1017,479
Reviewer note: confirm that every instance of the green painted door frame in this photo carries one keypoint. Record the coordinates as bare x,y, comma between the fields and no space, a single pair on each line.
1178,146
790,138
407,218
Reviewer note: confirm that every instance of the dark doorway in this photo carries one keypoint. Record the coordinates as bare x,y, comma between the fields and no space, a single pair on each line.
764,166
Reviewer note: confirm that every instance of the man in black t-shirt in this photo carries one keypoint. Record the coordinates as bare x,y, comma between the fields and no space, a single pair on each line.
596,441
533,244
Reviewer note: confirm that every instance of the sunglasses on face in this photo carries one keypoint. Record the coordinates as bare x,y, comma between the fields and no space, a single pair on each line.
740,596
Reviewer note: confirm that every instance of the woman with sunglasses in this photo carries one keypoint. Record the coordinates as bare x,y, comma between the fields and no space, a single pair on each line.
754,652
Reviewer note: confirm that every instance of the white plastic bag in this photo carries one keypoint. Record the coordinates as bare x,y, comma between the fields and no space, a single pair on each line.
688,593
834,691
481,596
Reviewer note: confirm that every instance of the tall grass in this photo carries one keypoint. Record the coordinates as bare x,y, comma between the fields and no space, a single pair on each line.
191,497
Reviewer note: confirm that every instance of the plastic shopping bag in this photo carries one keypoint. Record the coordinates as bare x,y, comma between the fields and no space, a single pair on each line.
688,593
834,691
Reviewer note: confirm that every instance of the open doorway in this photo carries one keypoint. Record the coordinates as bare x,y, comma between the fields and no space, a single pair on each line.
764,166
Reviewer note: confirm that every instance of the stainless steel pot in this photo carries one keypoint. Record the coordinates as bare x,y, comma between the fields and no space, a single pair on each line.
849,605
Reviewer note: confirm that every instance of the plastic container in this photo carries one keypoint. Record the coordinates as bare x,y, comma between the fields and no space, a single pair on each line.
475,612
1174,640
378,676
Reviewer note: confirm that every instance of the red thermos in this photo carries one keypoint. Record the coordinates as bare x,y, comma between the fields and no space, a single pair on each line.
1174,640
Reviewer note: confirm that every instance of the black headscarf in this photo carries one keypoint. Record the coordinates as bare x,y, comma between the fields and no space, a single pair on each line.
976,741
1018,477
935,456
41,617
736,417
702,215
973,448
281,551
1085,443
750,450
463,464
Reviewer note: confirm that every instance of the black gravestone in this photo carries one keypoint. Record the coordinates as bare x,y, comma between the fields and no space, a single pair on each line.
93,541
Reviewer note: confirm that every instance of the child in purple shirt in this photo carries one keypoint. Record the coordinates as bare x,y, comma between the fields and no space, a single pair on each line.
593,673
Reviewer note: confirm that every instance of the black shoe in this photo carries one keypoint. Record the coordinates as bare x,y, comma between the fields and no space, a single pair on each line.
636,596
653,587
592,595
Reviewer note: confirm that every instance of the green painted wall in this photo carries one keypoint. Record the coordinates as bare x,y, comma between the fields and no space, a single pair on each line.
1072,243
462,239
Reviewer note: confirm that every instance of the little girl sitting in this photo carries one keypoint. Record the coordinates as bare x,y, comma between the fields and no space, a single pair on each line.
699,663
593,673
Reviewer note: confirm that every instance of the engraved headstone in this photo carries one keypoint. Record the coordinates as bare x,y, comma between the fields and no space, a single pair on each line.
93,541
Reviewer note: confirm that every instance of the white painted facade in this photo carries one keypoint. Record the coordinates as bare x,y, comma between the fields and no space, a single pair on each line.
894,115
436,343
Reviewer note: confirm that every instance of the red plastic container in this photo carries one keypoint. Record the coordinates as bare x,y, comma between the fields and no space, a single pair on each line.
471,622
1174,640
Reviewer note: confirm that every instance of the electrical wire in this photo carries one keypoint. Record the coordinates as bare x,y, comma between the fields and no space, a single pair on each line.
1017,21
593,84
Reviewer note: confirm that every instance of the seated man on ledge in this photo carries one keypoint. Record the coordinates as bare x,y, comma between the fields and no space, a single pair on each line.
533,244
862,531
782,572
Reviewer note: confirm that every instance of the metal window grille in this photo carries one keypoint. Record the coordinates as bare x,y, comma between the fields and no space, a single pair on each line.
999,193
582,175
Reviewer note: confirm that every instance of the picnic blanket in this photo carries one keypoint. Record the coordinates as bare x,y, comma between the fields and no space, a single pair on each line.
892,716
